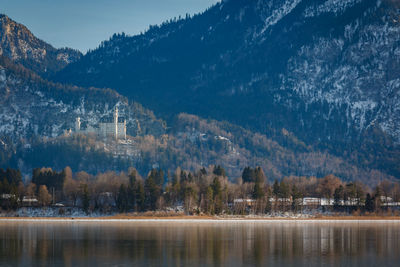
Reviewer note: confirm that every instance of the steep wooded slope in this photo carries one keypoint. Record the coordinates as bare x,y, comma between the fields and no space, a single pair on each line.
328,71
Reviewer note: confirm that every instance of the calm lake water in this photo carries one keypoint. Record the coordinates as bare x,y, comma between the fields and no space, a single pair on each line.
177,243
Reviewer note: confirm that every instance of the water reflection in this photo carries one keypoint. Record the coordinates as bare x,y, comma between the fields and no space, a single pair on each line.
203,243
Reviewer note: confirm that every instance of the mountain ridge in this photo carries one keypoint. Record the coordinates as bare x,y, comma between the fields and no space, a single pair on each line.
214,65
19,44
35,113
311,67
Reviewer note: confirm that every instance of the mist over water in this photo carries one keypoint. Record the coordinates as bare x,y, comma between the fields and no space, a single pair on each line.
177,243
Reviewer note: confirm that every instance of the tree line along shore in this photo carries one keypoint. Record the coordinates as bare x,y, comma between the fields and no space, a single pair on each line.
206,192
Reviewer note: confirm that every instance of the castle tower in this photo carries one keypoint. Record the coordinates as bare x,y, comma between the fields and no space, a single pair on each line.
78,124
116,122
139,129
124,129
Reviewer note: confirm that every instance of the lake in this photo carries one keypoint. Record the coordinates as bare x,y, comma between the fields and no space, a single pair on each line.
199,243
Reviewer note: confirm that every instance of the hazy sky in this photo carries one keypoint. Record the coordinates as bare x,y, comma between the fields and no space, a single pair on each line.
83,24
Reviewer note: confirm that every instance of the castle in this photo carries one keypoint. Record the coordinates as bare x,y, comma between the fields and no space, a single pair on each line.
108,127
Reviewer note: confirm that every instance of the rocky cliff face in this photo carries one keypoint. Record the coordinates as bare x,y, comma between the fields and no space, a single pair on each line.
21,46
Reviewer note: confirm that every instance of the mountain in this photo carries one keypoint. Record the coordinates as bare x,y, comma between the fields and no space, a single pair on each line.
326,71
33,106
21,46
197,142
35,113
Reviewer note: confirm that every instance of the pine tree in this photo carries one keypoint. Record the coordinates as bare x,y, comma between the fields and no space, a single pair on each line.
338,196
132,178
85,198
218,205
157,176
219,171
296,195
210,200
258,192
216,187
377,198
152,192
369,203
140,197
284,190
276,189
122,199
247,175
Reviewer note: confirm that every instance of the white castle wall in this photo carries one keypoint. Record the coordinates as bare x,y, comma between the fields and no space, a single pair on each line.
121,130
112,129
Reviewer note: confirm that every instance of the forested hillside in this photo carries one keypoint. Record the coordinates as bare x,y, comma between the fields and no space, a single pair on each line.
233,65
327,71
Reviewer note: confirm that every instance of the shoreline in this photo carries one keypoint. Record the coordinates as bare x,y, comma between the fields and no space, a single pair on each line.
122,218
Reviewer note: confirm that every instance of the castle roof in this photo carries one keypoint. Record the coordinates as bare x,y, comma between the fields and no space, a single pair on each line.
111,120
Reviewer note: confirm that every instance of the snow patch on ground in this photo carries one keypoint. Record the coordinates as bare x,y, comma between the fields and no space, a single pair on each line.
51,212
351,72
279,13
330,6
3,76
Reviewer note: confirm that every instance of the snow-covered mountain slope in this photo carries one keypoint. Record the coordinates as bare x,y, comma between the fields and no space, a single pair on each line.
34,114
357,68
21,46
326,70
31,106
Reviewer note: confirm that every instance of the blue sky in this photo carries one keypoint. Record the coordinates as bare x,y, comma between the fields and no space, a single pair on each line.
83,24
